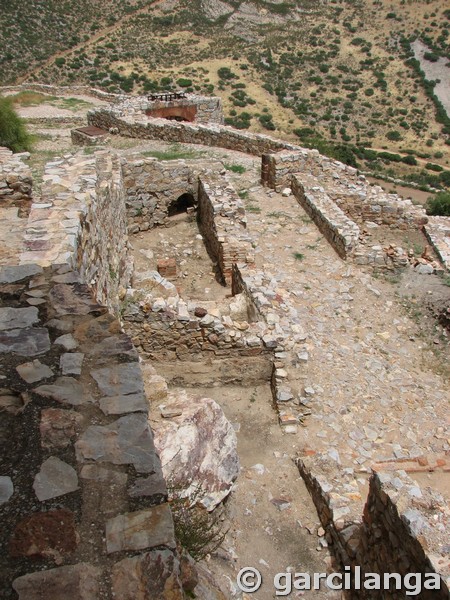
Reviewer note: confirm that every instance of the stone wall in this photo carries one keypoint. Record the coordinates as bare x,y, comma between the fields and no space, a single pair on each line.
339,230
352,193
401,528
222,222
215,135
437,231
80,222
82,496
276,169
169,329
152,186
201,109
55,90
15,181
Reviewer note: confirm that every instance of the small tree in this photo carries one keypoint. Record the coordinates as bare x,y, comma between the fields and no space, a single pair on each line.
439,204
13,133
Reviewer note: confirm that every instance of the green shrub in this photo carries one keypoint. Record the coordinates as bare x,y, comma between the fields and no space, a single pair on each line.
439,204
13,133
394,136
184,83
225,73
433,167
409,160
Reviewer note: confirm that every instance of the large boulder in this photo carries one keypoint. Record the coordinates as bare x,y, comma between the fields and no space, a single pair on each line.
198,448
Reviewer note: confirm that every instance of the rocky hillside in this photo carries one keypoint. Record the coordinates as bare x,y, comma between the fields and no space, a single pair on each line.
336,71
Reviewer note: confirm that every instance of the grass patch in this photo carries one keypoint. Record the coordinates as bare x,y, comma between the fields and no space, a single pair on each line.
298,255
175,152
252,208
235,168
243,194
31,98
278,214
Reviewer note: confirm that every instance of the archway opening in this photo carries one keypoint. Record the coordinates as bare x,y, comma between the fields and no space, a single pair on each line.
180,205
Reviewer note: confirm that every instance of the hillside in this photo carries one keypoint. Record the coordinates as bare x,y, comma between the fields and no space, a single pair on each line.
301,68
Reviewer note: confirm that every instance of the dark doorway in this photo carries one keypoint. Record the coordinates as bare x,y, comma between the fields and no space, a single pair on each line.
180,206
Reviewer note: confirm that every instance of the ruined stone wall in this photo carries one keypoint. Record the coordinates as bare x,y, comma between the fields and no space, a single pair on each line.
151,186
399,522
15,180
81,222
401,529
222,222
351,192
55,90
219,136
171,329
276,169
201,109
339,230
82,495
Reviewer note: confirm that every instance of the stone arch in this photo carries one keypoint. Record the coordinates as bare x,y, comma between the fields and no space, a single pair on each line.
180,205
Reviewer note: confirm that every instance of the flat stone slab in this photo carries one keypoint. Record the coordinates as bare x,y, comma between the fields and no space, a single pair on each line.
65,390
25,342
71,363
74,582
119,380
59,427
34,371
140,530
56,478
75,299
152,486
113,346
67,341
18,318
129,440
103,475
6,489
120,405
151,575
50,534
13,274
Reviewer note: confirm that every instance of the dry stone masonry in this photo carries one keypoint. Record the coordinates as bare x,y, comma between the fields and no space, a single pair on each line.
15,181
74,410
401,529
89,517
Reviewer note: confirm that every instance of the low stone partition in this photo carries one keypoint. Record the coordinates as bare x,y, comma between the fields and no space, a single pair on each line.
15,181
401,530
339,230
153,187
58,90
277,169
168,329
222,222
215,135
437,231
83,502
365,202
81,222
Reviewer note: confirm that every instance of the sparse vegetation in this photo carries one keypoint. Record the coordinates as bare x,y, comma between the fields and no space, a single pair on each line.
200,532
13,132
235,168
439,204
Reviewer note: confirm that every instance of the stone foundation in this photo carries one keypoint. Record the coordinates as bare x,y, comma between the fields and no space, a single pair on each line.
222,222
402,528
339,230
